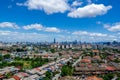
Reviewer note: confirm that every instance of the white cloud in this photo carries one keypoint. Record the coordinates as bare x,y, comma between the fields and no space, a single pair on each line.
5,32
114,27
52,29
94,37
9,25
33,26
77,3
42,28
20,4
91,10
98,34
49,6
89,33
13,36
17,36
80,33
89,1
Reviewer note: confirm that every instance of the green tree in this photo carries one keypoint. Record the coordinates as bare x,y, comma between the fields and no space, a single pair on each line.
52,50
4,63
17,58
108,76
67,70
118,78
1,57
48,75
6,56
46,60
16,64
8,75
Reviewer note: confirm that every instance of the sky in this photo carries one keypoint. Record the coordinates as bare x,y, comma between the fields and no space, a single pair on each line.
65,20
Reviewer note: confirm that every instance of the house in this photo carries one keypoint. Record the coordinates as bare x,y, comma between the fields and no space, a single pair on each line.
93,78
32,77
20,75
85,61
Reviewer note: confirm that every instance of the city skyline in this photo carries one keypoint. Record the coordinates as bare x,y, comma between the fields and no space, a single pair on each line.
64,20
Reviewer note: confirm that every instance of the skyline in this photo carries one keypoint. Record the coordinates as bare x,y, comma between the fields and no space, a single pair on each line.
65,20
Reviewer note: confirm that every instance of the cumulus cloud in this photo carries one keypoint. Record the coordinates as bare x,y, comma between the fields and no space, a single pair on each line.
80,33
5,32
114,27
9,25
98,34
94,37
61,6
13,36
52,29
77,3
42,28
91,10
33,26
49,6
89,33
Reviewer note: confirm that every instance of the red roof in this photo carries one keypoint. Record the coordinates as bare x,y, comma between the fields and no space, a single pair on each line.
23,74
19,67
1,76
95,51
16,77
86,60
89,65
93,78
110,68
37,69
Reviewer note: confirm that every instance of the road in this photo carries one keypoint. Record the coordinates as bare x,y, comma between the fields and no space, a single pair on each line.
74,64
58,75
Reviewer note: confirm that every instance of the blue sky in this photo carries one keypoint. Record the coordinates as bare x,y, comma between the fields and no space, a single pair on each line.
65,20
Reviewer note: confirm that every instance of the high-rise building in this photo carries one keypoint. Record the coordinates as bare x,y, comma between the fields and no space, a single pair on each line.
54,40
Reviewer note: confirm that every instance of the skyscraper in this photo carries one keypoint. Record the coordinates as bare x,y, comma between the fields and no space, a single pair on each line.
54,40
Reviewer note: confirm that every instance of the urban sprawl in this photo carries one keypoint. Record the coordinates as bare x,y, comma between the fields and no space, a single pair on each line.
60,60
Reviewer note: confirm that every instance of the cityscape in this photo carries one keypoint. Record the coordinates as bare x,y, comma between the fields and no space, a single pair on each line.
59,40
60,61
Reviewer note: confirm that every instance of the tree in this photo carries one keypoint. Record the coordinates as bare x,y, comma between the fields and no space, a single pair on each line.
1,58
8,75
17,58
48,75
6,56
16,64
4,63
91,54
64,71
46,60
118,78
55,72
67,70
52,50
108,76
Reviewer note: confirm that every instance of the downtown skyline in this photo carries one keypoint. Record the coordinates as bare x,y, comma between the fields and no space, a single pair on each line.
65,20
